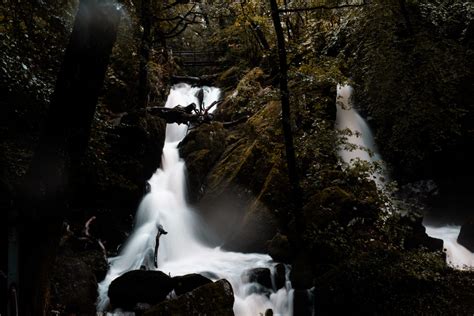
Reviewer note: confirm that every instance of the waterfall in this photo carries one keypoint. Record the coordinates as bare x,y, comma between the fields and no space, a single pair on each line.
361,136
347,117
457,256
181,251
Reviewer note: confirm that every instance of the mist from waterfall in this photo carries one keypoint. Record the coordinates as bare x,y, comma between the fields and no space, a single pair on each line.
181,251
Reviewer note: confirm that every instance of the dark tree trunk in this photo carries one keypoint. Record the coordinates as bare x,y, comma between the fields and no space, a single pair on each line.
406,16
46,189
260,35
286,117
145,48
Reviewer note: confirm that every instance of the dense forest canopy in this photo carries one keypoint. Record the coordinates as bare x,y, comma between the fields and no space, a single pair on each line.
82,129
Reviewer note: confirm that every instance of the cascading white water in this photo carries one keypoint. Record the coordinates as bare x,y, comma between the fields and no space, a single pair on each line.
457,256
348,118
180,251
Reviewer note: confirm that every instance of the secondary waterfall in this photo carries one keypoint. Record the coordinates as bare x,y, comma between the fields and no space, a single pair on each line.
347,117
457,256
361,136
180,251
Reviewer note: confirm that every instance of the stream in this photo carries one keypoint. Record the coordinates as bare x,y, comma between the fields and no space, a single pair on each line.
181,251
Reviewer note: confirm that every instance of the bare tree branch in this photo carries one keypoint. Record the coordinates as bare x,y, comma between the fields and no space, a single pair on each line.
325,7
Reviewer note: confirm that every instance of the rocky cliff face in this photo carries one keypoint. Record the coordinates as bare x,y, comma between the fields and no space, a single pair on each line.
241,172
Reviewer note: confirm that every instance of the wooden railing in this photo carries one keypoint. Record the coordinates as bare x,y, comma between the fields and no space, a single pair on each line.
197,58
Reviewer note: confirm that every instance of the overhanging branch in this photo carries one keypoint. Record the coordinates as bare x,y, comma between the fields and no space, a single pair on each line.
324,7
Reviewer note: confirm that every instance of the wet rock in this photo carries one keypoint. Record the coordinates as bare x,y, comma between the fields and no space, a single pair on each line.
139,286
279,248
280,276
301,274
187,283
96,261
418,237
261,276
303,303
214,299
200,149
140,308
240,101
255,230
466,235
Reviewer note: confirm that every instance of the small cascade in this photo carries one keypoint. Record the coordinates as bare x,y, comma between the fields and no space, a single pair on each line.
347,117
457,256
361,136
181,251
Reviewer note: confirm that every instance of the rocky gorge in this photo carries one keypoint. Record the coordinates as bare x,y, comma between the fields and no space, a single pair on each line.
361,250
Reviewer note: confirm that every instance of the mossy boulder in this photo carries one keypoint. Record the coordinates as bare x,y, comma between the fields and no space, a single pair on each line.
186,283
245,99
139,286
262,276
246,192
200,149
213,299
229,78
74,285
279,248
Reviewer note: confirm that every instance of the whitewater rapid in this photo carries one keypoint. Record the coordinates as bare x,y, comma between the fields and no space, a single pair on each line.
181,251
457,256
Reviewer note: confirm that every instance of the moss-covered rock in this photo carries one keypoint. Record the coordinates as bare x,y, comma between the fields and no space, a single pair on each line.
240,200
139,286
201,148
74,283
119,160
214,299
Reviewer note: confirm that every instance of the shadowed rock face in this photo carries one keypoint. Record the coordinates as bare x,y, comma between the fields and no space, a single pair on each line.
261,276
210,299
187,283
139,286
466,235
74,285
234,174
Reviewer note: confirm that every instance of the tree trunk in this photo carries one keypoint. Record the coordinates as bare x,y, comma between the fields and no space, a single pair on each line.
46,189
286,117
406,16
145,48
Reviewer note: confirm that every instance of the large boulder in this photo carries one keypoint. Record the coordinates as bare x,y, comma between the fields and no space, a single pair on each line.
73,286
210,299
466,235
239,202
139,286
201,148
279,248
417,237
261,276
186,283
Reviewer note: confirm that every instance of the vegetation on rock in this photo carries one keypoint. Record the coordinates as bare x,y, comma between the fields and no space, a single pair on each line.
411,65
